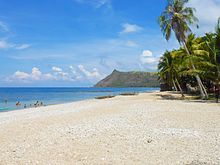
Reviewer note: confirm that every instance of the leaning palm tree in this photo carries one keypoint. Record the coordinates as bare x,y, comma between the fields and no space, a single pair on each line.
199,56
177,18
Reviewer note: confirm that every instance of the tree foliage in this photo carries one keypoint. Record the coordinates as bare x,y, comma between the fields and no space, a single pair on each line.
205,53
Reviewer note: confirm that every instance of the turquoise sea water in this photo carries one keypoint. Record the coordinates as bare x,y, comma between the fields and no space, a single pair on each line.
9,96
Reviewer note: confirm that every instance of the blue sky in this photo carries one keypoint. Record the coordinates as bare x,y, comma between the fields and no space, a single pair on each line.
78,42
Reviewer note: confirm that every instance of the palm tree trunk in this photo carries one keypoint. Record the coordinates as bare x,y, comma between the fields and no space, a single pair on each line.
206,94
178,84
174,84
202,89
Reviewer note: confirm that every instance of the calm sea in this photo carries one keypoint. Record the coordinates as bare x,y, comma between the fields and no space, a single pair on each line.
29,96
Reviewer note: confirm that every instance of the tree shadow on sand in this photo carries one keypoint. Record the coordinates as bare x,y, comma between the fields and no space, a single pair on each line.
177,96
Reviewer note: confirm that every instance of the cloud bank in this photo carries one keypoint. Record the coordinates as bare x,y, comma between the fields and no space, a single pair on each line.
79,73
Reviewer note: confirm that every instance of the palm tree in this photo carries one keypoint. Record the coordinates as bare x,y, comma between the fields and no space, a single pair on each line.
177,18
177,67
165,68
213,46
168,70
199,56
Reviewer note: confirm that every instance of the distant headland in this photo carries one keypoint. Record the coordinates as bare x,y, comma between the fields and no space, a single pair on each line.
129,79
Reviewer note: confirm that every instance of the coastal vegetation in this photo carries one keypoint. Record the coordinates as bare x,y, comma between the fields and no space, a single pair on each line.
195,66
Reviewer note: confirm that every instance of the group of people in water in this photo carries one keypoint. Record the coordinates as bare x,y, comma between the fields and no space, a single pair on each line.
37,104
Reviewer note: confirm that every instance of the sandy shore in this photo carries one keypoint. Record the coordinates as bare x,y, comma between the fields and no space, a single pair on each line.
136,130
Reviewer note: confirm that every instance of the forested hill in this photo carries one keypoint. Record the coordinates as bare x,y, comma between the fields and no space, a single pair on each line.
129,79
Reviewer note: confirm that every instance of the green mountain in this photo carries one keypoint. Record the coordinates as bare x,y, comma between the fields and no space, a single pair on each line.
129,79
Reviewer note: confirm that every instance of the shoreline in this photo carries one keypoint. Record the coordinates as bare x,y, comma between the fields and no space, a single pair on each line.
139,129
19,109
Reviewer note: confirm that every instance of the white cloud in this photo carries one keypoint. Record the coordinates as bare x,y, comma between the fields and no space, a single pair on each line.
23,46
4,44
130,28
77,76
57,74
208,12
148,60
35,75
48,76
95,3
94,74
147,53
3,27
63,76
60,75
100,3
147,57
131,44
56,69
21,75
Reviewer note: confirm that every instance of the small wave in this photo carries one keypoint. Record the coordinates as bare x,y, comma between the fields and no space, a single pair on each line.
3,108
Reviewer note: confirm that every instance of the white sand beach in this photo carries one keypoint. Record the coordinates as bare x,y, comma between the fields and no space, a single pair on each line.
141,130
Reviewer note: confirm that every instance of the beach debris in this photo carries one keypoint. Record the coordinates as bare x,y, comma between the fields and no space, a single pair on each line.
104,97
149,140
129,94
